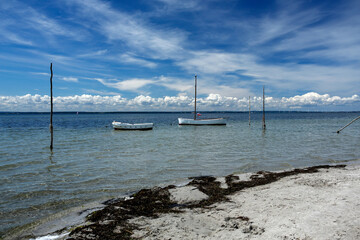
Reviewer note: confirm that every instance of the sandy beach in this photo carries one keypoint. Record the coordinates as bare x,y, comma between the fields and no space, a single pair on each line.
320,202
311,203
323,205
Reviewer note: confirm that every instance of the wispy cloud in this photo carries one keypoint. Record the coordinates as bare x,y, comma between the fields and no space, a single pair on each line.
286,20
26,20
102,93
126,85
170,6
41,73
70,79
99,53
141,37
13,38
215,62
178,84
127,58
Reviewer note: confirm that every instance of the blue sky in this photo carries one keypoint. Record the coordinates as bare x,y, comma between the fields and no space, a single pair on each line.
143,55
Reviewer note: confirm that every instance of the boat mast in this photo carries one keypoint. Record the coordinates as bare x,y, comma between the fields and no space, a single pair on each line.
195,97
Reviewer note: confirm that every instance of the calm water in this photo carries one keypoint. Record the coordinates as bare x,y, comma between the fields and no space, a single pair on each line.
92,162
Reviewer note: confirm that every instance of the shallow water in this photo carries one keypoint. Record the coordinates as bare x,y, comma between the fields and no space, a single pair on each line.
92,162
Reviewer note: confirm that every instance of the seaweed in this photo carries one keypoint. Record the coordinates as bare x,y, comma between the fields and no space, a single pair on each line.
111,222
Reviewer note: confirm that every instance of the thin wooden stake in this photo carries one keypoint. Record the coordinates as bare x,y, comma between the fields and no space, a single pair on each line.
249,113
195,96
263,118
338,131
51,112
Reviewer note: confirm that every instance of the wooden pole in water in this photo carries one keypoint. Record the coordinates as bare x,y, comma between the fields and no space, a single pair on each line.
338,131
263,118
51,112
249,113
195,97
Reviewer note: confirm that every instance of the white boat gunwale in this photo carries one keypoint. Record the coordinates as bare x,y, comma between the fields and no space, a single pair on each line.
132,126
209,121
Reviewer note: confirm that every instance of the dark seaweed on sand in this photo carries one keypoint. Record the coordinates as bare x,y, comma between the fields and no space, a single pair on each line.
111,221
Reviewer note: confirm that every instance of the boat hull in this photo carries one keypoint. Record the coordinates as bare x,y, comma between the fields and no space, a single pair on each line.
129,126
213,121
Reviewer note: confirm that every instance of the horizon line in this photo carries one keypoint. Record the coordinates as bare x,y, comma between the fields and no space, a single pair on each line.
107,112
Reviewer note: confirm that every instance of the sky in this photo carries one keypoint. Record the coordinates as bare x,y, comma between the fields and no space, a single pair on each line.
142,55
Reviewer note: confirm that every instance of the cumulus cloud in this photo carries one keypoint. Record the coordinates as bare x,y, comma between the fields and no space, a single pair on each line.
213,102
315,99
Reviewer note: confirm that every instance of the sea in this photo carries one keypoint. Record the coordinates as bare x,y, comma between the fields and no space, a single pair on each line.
91,163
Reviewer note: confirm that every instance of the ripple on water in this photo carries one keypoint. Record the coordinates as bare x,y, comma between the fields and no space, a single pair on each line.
91,161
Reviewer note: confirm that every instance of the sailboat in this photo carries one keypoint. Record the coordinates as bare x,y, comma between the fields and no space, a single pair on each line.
195,121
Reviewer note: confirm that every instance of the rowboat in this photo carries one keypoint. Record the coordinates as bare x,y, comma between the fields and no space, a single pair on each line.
131,126
195,121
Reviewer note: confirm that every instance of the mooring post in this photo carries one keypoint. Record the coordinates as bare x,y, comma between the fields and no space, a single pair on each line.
249,113
263,118
195,97
51,111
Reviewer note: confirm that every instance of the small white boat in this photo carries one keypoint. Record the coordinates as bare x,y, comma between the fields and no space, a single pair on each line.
130,126
195,121
213,121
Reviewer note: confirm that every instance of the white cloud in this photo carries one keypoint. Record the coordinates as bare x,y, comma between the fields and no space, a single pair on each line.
98,53
127,58
136,84
12,37
207,86
88,102
41,73
127,85
181,5
141,37
216,62
70,79
102,93
288,19
177,84
315,99
335,79
27,19
229,91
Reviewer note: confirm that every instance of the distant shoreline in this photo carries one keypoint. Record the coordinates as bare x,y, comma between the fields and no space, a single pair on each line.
170,112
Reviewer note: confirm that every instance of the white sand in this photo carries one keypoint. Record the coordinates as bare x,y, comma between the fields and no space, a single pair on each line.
186,194
324,205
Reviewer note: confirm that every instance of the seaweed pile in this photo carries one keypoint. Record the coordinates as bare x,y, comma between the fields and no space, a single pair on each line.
111,222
